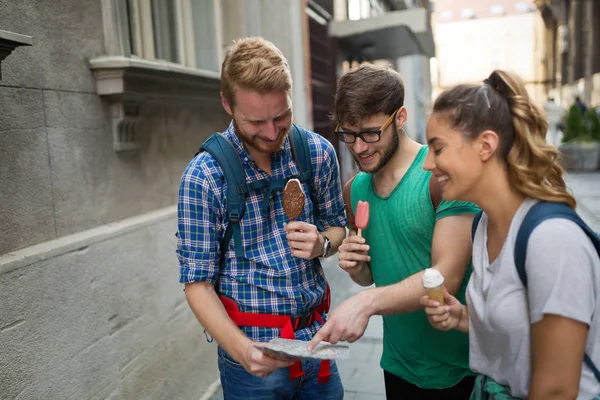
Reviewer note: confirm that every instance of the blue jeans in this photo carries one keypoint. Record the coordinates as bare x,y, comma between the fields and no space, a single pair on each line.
238,384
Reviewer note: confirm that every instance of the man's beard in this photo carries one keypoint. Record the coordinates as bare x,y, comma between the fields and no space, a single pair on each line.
256,144
387,154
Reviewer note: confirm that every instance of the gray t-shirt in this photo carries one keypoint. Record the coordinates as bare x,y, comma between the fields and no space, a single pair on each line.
563,271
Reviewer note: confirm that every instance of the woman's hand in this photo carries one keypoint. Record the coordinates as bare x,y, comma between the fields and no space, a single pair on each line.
452,315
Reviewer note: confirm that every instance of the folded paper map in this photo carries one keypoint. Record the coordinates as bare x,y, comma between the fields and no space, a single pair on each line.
297,349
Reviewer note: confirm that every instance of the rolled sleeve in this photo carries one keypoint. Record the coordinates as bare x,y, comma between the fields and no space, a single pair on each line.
199,220
332,210
451,208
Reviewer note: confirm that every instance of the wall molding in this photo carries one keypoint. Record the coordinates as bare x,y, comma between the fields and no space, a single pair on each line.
10,41
125,116
128,82
67,244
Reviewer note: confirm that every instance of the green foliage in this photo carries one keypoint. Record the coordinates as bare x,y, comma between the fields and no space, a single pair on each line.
574,126
592,124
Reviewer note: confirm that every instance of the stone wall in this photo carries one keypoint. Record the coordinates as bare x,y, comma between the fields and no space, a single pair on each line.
90,304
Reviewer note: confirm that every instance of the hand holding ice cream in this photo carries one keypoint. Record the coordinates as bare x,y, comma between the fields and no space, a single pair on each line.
353,252
443,310
303,237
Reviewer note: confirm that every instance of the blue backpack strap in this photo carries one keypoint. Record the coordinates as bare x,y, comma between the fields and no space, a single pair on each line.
476,220
536,215
301,154
226,156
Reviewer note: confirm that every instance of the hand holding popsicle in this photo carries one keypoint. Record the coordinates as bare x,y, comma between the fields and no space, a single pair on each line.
362,216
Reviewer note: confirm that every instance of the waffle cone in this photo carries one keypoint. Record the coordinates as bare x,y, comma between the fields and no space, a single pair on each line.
436,294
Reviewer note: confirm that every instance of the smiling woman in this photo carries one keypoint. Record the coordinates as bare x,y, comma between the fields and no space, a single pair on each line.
450,155
500,106
488,146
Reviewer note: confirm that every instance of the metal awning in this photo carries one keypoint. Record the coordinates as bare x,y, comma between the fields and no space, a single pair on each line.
388,36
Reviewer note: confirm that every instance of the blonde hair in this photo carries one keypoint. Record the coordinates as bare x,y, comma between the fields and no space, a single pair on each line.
254,64
502,105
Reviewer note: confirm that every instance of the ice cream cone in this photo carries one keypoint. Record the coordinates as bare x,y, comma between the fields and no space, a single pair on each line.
436,294
433,283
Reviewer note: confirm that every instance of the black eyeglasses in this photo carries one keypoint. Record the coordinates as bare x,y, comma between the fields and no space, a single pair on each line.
366,136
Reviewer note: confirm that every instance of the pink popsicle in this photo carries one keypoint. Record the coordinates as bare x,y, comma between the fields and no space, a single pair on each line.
361,219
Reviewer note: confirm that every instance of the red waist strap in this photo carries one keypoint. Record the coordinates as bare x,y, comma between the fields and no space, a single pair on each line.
284,322
267,320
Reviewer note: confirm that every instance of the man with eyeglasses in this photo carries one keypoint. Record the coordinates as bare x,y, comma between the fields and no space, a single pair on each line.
410,229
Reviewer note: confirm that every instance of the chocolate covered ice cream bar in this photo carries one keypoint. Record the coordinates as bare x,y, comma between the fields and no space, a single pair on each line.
293,199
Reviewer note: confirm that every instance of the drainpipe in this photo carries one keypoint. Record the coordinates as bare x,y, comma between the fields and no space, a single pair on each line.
588,32
575,20
300,60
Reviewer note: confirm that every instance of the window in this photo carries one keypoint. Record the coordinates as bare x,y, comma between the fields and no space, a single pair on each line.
446,15
523,6
378,7
353,10
359,9
164,27
467,13
497,9
179,31
204,17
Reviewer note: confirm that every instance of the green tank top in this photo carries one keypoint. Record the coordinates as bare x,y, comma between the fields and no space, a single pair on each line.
399,234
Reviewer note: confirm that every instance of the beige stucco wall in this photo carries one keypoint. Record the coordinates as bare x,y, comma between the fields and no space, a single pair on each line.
468,50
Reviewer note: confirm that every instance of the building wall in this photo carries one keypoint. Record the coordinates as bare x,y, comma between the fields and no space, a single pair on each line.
90,304
59,174
100,315
469,49
575,53
459,10
279,21
415,72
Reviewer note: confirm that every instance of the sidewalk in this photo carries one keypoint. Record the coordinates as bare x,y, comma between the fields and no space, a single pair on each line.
361,375
585,186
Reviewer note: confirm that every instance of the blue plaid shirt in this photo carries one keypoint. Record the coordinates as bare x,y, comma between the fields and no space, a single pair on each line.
268,279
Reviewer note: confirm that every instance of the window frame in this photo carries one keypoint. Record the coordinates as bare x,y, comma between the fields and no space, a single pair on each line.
129,31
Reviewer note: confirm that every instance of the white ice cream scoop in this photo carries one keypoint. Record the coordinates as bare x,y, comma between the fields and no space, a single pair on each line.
432,278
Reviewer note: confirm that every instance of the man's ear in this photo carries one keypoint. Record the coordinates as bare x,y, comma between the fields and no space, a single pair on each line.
401,117
226,105
489,142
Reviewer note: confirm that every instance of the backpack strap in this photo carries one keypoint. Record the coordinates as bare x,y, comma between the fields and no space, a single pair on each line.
537,214
301,153
476,220
347,194
225,154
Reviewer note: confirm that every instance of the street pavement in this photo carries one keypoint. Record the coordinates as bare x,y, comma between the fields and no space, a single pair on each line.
586,189
361,375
